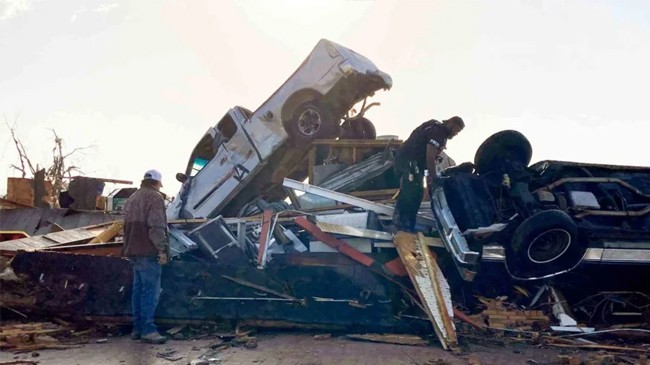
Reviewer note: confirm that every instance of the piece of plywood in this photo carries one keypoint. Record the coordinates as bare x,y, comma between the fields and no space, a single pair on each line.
21,191
431,285
399,339
35,243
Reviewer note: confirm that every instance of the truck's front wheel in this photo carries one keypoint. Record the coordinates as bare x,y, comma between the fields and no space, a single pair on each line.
311,121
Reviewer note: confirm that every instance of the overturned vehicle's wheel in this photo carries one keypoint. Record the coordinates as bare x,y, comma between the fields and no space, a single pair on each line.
543,245
311,121
503,149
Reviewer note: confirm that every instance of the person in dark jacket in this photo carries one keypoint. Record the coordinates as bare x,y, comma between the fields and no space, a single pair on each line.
419,152
146,245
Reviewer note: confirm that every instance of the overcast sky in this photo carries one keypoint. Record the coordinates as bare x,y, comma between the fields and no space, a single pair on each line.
141,81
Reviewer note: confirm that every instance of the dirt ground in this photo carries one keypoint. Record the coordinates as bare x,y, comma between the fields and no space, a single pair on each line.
286,348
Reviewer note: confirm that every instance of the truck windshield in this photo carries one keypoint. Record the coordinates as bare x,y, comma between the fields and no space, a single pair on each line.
202,154
198,165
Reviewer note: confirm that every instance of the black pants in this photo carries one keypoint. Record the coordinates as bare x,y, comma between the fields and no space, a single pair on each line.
410,194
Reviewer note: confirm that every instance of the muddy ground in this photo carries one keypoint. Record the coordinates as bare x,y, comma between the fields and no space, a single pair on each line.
290,349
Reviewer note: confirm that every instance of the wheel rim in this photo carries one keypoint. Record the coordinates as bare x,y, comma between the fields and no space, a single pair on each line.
549,246
309,122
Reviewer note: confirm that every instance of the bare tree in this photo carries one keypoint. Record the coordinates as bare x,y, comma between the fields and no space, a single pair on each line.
57,171
22,153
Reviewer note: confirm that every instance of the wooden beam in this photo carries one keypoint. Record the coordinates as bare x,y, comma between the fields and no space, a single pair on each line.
14,203
431,286
264,237
114,181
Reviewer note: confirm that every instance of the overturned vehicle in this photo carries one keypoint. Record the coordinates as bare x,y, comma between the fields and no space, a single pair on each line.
544,219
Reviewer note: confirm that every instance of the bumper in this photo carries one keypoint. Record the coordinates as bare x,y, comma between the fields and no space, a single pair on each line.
451,236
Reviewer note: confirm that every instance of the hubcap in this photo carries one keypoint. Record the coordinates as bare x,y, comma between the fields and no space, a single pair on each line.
549,246
309,122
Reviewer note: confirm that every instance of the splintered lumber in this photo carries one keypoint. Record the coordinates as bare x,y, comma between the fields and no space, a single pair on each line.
38,346
499,317
36,328
431,285
409,340
109,233
30,337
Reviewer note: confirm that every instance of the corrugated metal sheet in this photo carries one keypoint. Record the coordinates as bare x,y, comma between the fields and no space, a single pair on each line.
35,221
20,219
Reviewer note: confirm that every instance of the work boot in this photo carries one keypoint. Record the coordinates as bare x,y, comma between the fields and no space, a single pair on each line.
154,337
135,335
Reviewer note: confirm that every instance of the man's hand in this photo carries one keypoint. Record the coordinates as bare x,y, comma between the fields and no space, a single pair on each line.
162,258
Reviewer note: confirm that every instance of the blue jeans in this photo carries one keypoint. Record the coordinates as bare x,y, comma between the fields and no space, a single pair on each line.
146,292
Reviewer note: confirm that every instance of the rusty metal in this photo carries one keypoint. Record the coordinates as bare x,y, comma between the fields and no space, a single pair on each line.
608,213
335,243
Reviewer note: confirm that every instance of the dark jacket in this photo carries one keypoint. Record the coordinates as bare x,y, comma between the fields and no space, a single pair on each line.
145,224
415,147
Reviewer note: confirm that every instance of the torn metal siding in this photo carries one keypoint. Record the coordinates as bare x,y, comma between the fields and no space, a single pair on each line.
35,221
356,175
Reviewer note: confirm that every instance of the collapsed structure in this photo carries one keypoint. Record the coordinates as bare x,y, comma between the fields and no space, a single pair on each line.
284,219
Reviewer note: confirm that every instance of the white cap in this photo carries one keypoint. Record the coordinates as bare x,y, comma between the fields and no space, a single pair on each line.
153,175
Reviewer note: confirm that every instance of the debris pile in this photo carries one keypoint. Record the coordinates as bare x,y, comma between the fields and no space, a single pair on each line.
498,315
279,224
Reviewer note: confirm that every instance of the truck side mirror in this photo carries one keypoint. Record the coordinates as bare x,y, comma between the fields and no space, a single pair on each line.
181,178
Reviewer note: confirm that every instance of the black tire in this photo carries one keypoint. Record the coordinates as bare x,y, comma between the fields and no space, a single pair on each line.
544,244
503,148
365,129
311,121
361,128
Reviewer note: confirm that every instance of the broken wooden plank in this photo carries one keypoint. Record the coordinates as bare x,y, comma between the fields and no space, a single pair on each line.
36,347
431,286
441,290
599,347
20,332
16,204
109,233
264,238
112,181
63,238
409,340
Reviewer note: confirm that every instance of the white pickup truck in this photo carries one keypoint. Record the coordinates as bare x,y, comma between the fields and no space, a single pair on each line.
247,154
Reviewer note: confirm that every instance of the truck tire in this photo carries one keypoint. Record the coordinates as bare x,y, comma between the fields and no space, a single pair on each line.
361,128
505,147
544,244
311,121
